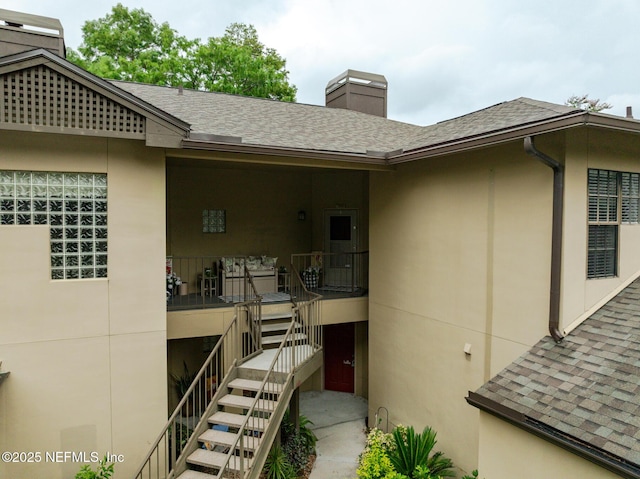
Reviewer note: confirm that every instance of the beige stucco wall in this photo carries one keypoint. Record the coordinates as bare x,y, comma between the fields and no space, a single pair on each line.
460,254
507,452
605,150
262,204
87,357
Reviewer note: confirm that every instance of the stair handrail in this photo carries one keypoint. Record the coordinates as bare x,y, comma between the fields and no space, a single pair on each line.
255,302
268,379
296,359
297,284
194,396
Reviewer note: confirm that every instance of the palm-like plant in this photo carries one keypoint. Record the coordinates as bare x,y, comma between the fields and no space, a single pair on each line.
277,466
308,436
413,450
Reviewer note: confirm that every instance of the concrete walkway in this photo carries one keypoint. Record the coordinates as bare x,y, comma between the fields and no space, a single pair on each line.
339,423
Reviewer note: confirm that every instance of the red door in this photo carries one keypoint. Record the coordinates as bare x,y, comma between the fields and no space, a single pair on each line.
339,354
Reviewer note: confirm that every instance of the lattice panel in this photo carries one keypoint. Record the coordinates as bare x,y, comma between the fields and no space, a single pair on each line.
43,97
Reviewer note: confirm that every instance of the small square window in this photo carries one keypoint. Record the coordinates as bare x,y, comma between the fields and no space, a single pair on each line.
214,221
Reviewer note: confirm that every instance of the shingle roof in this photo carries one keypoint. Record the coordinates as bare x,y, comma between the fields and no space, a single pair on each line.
292,125
587,386
497,117
266,122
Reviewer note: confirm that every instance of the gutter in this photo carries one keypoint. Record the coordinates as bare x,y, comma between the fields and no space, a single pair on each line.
368,158
556,235
611,462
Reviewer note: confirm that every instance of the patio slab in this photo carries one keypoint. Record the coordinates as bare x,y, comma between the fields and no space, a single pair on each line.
339,424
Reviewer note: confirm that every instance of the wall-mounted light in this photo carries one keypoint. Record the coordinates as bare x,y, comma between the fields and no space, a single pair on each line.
302,215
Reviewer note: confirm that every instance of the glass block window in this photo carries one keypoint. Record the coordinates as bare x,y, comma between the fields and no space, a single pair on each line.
73,205
214,221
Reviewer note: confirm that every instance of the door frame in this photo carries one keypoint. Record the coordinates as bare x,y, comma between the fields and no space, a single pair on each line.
332,270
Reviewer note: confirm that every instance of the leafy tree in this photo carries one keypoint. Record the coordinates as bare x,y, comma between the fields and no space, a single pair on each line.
585,103
129,45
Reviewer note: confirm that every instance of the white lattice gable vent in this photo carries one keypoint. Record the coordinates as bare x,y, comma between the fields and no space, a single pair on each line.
41,98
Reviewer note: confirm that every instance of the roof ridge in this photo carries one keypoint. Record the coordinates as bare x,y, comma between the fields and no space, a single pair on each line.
547,105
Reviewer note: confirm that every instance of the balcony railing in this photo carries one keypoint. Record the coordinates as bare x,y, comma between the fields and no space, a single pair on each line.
334,272
197,281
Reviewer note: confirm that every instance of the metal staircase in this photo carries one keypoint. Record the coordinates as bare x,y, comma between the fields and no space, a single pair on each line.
225,424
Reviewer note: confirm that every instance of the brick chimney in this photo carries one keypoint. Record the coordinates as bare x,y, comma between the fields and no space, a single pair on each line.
20,32
359,91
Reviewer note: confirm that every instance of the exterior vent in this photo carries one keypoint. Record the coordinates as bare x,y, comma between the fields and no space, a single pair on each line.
20,32
359,91
42,97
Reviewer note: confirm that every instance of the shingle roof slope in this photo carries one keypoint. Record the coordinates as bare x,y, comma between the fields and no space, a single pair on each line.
520,111
587,386
266,122
293,125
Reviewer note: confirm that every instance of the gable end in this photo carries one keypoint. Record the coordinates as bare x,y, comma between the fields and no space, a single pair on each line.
42,99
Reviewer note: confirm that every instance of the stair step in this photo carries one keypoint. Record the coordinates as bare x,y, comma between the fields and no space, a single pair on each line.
227,439
280,337
272,327
191,474
281,315
243,402
236,420
216,460
252,385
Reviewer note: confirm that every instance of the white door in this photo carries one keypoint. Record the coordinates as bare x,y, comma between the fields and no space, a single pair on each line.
341,240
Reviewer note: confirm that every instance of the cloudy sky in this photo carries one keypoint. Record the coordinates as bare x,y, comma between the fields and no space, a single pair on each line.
441,58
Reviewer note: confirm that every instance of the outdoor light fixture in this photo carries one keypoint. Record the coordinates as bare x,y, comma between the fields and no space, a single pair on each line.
302,215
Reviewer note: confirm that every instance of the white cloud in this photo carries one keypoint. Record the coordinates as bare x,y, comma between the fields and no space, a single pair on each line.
442,58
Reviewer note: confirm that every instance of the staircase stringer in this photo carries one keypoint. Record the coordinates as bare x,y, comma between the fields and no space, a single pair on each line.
260,455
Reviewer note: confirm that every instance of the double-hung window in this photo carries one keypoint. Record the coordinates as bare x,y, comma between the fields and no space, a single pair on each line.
614,198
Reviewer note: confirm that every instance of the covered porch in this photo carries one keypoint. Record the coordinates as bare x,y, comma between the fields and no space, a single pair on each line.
270,220
302,220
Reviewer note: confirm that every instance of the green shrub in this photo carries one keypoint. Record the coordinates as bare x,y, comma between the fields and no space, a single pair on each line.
297,446
308,436
413,450
103,471
473,475
296,452
277,466
374,462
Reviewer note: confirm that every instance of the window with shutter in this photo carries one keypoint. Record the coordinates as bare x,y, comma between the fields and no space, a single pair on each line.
604,218
630,193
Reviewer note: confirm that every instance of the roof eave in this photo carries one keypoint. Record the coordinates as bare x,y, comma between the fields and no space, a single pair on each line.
596,455
367,160
518,132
